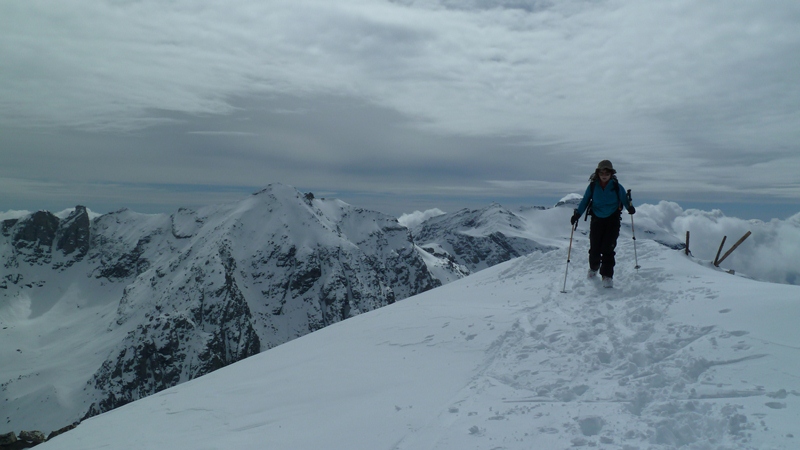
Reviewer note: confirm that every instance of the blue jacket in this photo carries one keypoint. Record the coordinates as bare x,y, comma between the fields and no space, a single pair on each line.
605,202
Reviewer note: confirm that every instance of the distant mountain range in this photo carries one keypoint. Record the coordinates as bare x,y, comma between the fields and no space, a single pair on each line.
98,312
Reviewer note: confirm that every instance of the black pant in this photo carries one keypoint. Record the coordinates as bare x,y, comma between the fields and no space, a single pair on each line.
603,234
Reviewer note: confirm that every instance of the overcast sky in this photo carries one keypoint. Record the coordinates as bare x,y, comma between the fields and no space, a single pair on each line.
399,105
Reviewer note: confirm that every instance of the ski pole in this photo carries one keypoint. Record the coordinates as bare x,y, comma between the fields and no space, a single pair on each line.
633,232
569,253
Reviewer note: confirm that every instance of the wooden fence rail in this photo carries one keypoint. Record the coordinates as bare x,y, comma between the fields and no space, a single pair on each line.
718,260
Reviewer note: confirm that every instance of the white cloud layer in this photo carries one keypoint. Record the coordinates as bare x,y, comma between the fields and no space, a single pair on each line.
417,217
770,253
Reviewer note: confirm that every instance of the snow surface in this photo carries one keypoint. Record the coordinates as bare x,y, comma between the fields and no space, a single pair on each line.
678,355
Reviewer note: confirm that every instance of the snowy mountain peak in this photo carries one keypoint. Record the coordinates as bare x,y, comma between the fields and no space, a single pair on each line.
471,240
570,200
485,220
278,190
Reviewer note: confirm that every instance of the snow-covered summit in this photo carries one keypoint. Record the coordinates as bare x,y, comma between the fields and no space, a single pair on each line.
477,238
570,200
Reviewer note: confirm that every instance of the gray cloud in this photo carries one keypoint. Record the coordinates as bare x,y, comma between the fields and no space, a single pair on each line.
375,100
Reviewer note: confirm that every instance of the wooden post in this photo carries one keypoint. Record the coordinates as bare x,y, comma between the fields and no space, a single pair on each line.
716,258
687,242
733,248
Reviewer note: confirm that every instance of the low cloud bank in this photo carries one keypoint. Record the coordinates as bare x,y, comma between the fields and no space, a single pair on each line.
771,253
411,220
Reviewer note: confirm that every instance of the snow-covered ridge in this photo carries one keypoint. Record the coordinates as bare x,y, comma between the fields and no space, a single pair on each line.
679,355
476,239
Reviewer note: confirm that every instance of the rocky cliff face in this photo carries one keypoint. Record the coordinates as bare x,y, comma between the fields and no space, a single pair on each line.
40,237
194,291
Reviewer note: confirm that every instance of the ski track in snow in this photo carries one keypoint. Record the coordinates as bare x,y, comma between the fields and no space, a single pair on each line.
643,380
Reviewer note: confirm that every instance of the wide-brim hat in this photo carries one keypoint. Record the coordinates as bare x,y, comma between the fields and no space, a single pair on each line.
606,165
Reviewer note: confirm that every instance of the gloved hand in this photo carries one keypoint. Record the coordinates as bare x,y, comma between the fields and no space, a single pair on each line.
631,210
575,217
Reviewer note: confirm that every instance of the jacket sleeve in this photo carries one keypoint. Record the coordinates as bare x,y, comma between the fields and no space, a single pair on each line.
585,202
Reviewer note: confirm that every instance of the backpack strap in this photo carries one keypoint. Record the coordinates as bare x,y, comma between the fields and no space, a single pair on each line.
592,185
591,198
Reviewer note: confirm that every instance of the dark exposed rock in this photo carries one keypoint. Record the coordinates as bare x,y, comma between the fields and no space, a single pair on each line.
26,439
8,224
36,237
33,437
62,430
128,264
8,438
673,245
185,223
173,348
73,234
33,237
29,439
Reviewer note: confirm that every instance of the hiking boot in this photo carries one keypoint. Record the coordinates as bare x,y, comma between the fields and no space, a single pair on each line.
591,274
608,282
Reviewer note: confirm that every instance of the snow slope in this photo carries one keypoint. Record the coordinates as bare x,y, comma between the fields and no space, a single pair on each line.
678,355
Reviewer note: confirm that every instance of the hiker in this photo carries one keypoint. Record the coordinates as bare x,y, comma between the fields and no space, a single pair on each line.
607,198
